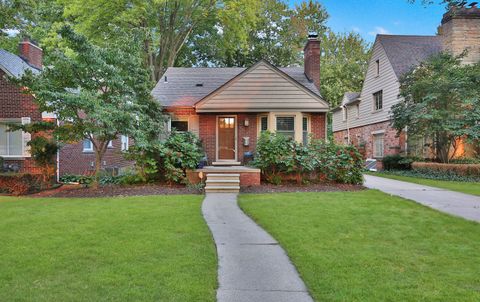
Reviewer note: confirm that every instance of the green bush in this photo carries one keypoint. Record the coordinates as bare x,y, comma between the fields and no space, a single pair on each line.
179,153
398,162
281,158
436,175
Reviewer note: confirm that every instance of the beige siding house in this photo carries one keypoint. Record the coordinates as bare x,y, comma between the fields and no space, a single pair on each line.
364,118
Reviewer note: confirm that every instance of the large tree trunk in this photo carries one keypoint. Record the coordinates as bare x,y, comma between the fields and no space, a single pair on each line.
100,149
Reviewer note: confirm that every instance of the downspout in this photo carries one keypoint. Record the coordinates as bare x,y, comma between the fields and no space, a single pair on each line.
58,156
346,120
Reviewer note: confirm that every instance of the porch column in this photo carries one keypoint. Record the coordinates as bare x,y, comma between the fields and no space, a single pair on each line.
271,122
298,127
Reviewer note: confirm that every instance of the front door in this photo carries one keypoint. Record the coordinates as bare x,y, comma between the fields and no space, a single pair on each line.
226,138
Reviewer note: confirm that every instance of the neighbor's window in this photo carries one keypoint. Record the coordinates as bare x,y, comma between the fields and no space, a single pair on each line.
305,130
10,142
345,113
286,125
124,142
87,145
263,123
358,110
110,144
179,126
377,67
378,100
378,145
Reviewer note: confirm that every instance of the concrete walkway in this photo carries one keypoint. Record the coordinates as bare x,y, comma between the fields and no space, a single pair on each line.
454,203
252,266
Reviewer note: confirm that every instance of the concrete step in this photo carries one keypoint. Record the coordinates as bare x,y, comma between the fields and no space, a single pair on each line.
222,189
227,181
225,175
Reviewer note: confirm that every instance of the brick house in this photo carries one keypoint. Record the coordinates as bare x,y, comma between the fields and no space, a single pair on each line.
16,107
364,118
228,108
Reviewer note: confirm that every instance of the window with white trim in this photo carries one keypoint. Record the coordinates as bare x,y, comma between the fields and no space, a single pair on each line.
110,144
11,142
377,67
378,100
378,145
124,142
358,111
179,126
345,113
286,126
305,124
263,123
87,145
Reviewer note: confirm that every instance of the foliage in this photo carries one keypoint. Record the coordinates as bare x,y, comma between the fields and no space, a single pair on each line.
398,162
179,153
465,160
279,156
97,93
21,183
469,170
441,100
343,65
431,174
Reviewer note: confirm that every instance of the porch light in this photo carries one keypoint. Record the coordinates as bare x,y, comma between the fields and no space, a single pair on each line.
246,122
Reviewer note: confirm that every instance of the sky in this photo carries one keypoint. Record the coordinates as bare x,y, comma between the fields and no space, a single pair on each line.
371,17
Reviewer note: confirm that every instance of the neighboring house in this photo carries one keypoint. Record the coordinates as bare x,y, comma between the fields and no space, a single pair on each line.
228,108
364,119
17,107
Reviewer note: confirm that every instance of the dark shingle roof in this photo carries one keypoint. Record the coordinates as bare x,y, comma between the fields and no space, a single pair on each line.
350,97
405,52
14,65
181,89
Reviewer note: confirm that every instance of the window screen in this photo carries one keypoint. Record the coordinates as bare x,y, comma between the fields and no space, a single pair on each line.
378,145
305,130
378,100
10,142
286,125
180,126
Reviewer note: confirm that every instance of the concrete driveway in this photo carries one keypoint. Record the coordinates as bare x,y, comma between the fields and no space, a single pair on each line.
454,203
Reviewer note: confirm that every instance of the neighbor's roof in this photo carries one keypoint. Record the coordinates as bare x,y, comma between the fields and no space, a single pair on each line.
14,65
350,97
405,52
181,89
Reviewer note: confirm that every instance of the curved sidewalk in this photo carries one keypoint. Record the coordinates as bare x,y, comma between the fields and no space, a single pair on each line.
252,265
454,203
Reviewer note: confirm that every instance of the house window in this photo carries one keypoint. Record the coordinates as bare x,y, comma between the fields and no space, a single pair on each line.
358,110
263,123
377,67
286,125
87,145
10,142
305,130
110,144
179,126
124,142
378,146
345,113
378,100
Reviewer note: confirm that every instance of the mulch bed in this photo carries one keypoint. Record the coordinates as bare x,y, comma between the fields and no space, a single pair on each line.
293,187
75,191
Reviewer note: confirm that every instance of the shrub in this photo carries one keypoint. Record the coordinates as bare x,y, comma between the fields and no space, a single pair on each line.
472,170
179,153
20,184
281,158
465,160
436,175
398,162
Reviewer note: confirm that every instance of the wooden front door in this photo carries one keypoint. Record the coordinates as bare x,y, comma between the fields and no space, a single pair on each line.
226,138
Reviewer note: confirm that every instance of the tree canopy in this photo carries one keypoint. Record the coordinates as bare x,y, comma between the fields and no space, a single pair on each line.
441,101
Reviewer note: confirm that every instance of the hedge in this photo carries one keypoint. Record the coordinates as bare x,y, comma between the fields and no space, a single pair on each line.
458,169
20,184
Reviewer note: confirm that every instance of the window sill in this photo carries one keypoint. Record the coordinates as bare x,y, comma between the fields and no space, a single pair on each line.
376,111
87,151
14,157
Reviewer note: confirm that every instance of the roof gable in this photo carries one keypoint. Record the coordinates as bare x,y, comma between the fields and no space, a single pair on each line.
262,87
13,65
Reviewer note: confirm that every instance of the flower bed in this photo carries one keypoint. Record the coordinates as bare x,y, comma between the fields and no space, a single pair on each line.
451,170
20,184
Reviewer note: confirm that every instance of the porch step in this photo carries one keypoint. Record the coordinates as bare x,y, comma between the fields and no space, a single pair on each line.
222,183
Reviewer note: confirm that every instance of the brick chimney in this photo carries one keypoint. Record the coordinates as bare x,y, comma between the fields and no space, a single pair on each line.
311,54
31,53
460,30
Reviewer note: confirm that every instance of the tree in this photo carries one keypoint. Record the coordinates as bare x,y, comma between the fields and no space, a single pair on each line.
343,64
441,101
97,93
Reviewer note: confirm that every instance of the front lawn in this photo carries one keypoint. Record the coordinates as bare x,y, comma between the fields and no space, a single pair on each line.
152,248
463,187
369,246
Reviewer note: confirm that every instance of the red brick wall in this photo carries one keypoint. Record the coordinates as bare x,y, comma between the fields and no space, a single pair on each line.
74,161
207,132
318,125
15,104
393,144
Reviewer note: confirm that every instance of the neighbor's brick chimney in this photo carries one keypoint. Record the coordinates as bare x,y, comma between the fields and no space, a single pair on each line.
460,30
31,53
311,54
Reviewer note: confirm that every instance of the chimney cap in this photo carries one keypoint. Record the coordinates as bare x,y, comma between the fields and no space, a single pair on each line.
312,36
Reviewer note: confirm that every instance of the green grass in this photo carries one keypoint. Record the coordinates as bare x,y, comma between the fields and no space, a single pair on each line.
464,187
106,249
368,246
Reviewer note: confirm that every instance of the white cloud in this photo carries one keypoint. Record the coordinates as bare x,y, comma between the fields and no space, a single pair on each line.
379,31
